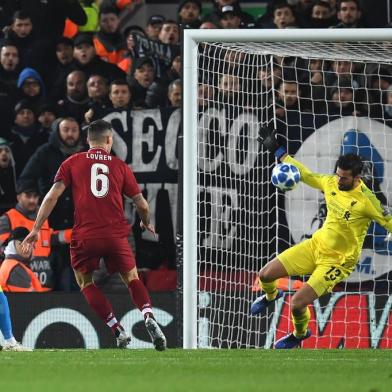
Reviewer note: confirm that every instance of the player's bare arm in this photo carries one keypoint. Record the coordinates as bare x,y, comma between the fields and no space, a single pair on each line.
143,210
44,211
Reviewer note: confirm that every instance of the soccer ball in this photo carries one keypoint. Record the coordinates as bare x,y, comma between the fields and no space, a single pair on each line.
285,176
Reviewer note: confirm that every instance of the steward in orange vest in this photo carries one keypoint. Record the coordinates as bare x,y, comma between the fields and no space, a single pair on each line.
15,275
109,42
23,215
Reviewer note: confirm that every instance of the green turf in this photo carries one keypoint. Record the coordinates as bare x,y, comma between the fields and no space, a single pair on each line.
198,370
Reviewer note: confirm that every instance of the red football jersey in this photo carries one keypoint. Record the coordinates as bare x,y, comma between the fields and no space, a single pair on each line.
98,182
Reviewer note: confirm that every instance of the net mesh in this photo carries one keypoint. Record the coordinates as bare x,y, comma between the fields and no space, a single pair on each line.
324,99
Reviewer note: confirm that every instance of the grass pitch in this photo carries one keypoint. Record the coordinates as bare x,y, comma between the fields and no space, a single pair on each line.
197,370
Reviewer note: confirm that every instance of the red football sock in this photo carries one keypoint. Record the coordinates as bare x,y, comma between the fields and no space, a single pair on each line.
140,297
101,306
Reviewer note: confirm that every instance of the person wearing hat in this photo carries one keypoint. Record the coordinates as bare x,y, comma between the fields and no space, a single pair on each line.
24,136
230,17
10,343
215,15
7,177
189,12
23,215
154,26
86,59
15,274
141,80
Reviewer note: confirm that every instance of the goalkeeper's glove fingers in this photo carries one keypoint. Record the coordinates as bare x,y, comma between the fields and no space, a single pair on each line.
269,141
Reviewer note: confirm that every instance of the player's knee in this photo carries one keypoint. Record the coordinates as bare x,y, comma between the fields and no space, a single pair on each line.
264,275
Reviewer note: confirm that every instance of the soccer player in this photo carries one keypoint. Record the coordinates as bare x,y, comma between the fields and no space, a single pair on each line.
98,182
333,251
6,327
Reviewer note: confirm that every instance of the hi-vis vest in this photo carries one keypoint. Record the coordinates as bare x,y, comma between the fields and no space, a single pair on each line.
111,56
5,270
40,263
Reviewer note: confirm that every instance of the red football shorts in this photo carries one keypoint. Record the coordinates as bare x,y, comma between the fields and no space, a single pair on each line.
117,253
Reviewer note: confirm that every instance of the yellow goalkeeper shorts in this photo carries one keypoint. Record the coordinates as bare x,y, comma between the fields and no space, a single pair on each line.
323,265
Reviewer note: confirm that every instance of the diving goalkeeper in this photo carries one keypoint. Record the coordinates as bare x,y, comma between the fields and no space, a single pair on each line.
333,251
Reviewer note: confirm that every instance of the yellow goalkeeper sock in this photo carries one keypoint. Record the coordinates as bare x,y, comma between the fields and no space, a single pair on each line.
270,289
301,322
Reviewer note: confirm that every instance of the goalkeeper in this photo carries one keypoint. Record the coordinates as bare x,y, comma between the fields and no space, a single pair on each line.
333,251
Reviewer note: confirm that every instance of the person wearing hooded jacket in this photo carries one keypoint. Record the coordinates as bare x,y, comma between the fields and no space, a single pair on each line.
64,141
31,87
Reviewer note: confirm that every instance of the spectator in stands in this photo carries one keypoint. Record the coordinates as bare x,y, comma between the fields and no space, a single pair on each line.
31,87
9,63
9,72
48,17
313,85
208,25
388,107
342,102
109,42
15,272
24,215
169,33
132,52
284,16
229,88
205,95
64,141
349,14
46,115
266,84
189,12
7,177
158,92
88,61
303,12
141,80
288,97
25,137
154,26
342,70
321,16
230,17
174,93
98,92
75,103
32,51
214,16
120,98
64,66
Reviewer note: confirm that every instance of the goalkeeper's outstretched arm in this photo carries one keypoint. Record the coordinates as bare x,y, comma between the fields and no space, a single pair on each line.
268,138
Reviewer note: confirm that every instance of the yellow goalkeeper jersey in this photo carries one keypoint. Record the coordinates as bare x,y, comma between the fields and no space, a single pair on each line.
349,213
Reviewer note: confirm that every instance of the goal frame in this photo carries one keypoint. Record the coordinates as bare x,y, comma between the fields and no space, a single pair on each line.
191,38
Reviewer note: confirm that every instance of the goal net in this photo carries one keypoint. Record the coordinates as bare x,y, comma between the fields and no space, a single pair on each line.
324,99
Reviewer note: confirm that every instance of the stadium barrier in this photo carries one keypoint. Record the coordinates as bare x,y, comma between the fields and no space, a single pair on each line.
64,320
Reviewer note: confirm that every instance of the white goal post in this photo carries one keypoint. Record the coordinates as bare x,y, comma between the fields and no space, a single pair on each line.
259,48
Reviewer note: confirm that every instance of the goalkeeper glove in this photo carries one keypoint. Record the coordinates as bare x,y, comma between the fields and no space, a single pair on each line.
268,139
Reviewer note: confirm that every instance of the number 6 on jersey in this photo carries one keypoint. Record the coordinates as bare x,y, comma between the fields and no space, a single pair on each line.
99,180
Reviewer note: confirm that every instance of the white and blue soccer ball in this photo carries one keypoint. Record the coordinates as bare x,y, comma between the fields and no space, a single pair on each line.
285,176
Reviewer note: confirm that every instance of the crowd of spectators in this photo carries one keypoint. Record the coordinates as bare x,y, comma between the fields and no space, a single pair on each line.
65,63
